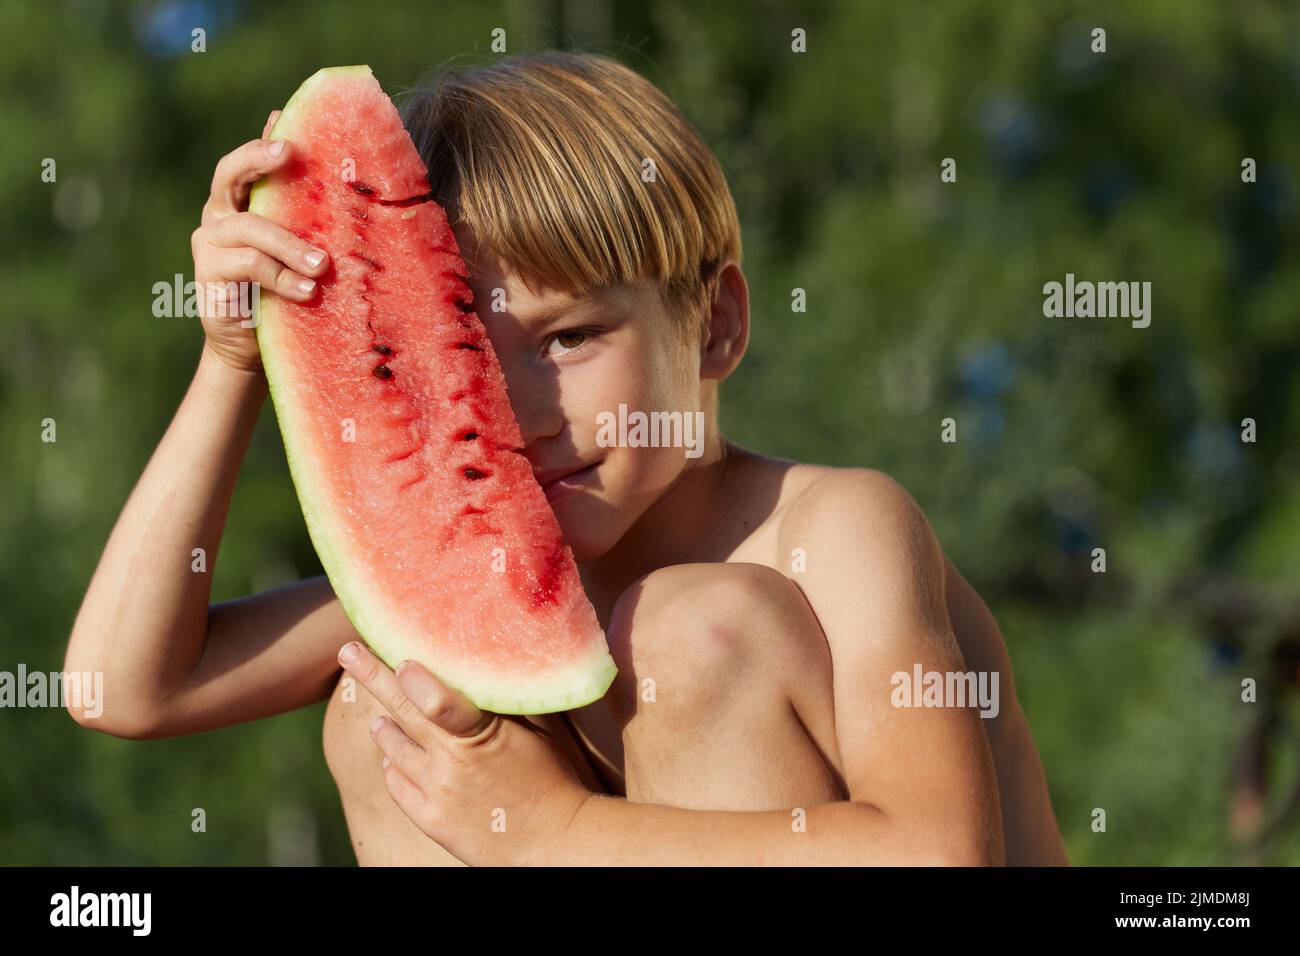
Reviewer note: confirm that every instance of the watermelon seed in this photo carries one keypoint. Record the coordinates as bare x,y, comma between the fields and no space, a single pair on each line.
381,349
361,188
383,371
469,345
473,474
469,436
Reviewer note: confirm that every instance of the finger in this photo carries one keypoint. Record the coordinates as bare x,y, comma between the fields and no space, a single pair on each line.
410,757
239,169
374,675
218,299
246,264
250,229
411,800
270,123
446,707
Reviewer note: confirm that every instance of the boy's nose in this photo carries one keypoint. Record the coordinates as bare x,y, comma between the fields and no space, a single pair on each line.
535,398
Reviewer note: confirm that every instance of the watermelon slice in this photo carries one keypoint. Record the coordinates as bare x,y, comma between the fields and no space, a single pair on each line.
402,445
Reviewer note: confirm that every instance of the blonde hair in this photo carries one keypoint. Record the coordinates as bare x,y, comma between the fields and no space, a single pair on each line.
542,155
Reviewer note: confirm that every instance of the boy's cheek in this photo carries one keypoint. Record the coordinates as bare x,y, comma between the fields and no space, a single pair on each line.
633,478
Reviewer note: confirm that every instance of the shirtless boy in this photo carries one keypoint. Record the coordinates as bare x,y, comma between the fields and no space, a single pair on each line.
749,680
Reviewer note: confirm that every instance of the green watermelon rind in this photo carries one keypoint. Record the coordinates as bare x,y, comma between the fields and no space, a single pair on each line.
566,687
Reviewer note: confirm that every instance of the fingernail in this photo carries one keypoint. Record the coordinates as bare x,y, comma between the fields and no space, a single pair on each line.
314,258
385,763
305,286
276,148
350,652
376,724
401,667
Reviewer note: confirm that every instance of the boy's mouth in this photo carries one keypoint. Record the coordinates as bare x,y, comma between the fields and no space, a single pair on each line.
559,481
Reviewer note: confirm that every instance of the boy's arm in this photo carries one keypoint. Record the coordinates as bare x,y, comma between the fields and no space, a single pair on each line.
921,780
171,665
1034,839
876,578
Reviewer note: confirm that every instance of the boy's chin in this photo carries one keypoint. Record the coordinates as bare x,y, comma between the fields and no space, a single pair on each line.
585,546
584,535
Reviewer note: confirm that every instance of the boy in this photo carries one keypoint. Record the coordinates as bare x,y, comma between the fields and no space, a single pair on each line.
748,681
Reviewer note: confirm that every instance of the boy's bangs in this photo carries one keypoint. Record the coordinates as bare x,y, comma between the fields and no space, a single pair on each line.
577,174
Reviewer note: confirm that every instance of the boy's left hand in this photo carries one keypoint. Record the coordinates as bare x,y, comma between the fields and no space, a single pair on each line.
490,789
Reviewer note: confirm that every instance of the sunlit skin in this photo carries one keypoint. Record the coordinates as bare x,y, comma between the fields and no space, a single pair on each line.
773,679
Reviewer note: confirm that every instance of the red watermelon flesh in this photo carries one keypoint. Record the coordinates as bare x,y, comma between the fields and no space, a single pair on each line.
402,445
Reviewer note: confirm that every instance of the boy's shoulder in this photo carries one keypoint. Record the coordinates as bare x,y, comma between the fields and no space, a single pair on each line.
864,555
847,508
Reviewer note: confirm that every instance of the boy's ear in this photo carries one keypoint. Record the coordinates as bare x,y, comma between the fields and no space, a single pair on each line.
727,333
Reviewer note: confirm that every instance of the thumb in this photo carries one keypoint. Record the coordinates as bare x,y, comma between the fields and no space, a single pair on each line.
446,707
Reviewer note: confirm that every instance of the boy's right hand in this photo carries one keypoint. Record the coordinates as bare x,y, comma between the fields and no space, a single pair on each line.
234,245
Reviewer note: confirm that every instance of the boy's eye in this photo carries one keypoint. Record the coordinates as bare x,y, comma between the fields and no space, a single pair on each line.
568,341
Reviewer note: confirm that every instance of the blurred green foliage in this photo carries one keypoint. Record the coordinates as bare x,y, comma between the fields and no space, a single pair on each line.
924,302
